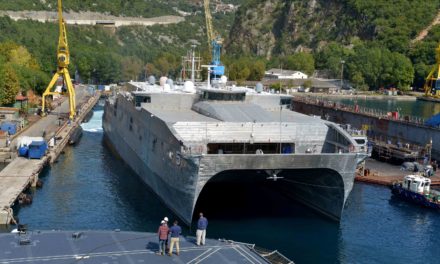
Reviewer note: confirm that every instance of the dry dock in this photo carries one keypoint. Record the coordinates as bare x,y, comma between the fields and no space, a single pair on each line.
386,174
22,173
381,124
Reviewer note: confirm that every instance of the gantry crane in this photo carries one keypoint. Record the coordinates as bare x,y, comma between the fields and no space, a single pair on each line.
63,60
214,43
432,83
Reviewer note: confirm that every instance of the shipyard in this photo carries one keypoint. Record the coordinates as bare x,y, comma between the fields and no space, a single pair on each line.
219,131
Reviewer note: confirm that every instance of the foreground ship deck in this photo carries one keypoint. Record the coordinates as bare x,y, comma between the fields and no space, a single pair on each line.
119,247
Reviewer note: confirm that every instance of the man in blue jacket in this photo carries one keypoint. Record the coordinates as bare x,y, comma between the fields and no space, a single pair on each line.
202,224
175,232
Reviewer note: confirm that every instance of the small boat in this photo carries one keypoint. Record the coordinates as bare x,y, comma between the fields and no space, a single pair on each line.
75,136
417,189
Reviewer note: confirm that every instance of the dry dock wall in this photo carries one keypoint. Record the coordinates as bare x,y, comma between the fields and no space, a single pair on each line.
22,172
386,128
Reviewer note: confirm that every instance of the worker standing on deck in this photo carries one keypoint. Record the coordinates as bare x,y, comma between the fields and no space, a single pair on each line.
163,236
175,232
166,222
202,224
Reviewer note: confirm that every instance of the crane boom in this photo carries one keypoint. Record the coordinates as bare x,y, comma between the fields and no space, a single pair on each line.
432,83
63,61
208,18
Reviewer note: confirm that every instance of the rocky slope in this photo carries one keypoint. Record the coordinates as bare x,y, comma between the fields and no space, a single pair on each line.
267,27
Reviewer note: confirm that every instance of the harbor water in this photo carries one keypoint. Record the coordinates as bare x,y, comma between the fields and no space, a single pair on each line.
90,188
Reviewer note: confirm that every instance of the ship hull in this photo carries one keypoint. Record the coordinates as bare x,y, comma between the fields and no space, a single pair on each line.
322,181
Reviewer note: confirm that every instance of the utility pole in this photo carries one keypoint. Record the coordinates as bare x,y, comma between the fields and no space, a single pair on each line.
342,72
430,151
281,74
193,63
281,108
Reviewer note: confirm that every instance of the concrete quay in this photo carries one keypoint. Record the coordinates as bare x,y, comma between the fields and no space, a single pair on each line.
23,173
382,173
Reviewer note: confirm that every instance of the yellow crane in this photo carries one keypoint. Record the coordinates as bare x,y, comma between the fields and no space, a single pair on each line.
209,29
432,83
63,60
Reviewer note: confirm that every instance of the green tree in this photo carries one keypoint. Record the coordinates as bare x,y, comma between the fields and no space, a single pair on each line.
131,68
9,85
300,61
257,70
330,57
379,67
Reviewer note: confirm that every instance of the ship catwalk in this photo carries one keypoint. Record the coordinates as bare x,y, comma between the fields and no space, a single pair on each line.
181,139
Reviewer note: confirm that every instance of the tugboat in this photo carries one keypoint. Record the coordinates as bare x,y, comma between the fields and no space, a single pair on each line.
417,189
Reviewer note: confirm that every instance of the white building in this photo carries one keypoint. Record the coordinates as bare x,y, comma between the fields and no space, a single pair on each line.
284,74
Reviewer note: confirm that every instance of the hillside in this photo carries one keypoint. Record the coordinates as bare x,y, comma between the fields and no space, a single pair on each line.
373,39
266,27
375,33
100,54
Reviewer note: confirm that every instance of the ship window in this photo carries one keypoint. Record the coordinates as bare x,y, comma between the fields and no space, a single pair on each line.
142,99
221,96
246,148
285,100
131,128
360,141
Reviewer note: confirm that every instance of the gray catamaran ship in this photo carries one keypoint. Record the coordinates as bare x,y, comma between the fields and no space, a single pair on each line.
179,138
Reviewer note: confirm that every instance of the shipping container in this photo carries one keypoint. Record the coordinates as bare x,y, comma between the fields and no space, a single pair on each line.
10,127
37,149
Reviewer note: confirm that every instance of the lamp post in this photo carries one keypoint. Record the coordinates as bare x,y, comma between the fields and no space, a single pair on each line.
430,151
342,72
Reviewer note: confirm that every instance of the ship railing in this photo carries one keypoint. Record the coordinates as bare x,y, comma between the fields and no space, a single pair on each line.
362,110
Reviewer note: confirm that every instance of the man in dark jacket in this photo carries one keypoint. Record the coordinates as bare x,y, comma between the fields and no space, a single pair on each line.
175,232
202,224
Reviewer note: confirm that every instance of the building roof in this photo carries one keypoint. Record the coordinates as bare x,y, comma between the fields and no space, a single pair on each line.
282,72
316,83
21,98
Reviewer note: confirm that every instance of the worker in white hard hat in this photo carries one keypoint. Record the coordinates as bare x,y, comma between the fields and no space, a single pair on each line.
166,242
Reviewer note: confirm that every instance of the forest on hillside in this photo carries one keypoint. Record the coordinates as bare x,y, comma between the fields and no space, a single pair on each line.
372,38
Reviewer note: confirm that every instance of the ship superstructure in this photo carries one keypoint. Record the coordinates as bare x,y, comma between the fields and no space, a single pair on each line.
177,140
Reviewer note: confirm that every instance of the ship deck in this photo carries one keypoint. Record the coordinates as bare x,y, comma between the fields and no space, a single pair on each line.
116,247
237,114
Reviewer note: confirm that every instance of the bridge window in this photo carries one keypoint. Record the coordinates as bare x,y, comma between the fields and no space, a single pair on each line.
223,96
285,100
139,99
247,148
